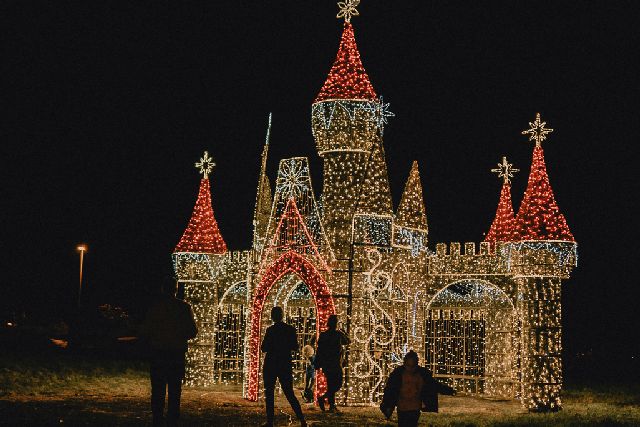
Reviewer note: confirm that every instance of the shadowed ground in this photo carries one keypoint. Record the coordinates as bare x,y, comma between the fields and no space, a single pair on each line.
37,391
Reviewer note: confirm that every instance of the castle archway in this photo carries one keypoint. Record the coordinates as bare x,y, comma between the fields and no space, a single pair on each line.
471,338
289,262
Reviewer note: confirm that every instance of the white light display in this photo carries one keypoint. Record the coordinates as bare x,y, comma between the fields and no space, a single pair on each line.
484,319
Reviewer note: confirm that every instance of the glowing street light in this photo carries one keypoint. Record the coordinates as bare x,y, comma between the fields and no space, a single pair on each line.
82,248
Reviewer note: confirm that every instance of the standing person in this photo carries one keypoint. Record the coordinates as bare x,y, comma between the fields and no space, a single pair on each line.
329,358
309,373
411,389
278,343
168,325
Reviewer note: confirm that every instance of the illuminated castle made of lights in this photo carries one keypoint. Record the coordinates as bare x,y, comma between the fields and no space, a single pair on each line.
483,318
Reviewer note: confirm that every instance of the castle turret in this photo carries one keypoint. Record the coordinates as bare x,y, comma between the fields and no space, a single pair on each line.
347,122
262,210
196,259
543,256
502,227
411,211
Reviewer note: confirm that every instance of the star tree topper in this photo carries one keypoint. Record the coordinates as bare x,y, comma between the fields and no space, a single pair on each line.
348,9
505,170
205,165
537,131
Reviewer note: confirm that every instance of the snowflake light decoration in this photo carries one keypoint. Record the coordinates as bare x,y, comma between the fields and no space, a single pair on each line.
348,9
505,170
381,113
537,131
292,182
205,165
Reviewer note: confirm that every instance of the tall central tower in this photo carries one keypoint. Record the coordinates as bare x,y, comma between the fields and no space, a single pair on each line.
347,121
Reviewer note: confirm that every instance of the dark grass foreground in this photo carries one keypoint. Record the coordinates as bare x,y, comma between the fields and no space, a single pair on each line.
50,388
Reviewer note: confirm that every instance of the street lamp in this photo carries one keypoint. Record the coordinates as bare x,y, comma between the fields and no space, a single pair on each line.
82,249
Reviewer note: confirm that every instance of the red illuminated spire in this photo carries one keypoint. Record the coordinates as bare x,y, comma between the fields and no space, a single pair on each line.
502,228
539,217
202,234
347,78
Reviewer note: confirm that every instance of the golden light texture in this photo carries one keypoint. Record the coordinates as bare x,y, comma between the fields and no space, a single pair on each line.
484,318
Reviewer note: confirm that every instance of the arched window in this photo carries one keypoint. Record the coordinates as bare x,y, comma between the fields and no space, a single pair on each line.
470,338
228,354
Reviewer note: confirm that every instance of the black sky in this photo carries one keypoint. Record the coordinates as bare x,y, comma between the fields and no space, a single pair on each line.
108,104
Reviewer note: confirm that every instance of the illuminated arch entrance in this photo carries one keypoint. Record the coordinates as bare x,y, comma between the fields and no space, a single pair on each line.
289,262
470,338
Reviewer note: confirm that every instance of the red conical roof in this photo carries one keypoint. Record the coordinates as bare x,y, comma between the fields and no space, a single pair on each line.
347,78
202,233
539,217
502,228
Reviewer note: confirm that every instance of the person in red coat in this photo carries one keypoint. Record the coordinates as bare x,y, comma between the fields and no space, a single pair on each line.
411,389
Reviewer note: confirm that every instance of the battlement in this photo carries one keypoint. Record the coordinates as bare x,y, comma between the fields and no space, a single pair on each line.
455,249
467,259
238,256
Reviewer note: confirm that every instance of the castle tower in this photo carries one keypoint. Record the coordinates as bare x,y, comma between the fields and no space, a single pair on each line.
502,227
410,221
263,200
196,257
544,255
347,122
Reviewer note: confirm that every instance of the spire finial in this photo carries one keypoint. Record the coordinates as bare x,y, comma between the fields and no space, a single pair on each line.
537,131
268,130
348,9
505,170
205,165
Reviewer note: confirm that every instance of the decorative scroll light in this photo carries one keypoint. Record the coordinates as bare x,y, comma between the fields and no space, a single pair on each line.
205,165
348,9
537,131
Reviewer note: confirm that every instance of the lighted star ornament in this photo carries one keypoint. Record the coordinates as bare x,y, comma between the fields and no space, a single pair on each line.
537,131
505,170
205,165
348,9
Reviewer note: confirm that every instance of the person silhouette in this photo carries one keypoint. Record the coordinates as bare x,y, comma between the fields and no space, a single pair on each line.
278,343
329,357
168,324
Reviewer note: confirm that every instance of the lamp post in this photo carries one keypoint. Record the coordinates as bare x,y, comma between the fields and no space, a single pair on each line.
82,249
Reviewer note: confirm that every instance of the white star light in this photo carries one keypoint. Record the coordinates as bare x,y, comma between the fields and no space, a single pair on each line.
347,9
536,131
505,170
383,112
205,165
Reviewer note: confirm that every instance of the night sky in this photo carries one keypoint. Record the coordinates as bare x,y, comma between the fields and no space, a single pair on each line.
107,105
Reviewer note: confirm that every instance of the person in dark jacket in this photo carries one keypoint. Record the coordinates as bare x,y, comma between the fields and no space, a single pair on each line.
278,343
411,389
168,325
329,359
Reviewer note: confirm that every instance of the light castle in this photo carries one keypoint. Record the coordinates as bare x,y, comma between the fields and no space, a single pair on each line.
484,318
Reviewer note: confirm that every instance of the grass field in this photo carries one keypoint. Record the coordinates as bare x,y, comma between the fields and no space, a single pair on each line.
63,389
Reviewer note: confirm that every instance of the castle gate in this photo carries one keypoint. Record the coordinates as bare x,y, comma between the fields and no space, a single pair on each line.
290,266
471,340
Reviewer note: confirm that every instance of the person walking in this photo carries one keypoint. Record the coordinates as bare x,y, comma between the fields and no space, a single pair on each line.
411,389
278,343
168,324
329,358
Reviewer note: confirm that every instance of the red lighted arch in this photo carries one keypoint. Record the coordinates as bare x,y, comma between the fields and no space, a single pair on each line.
289,262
